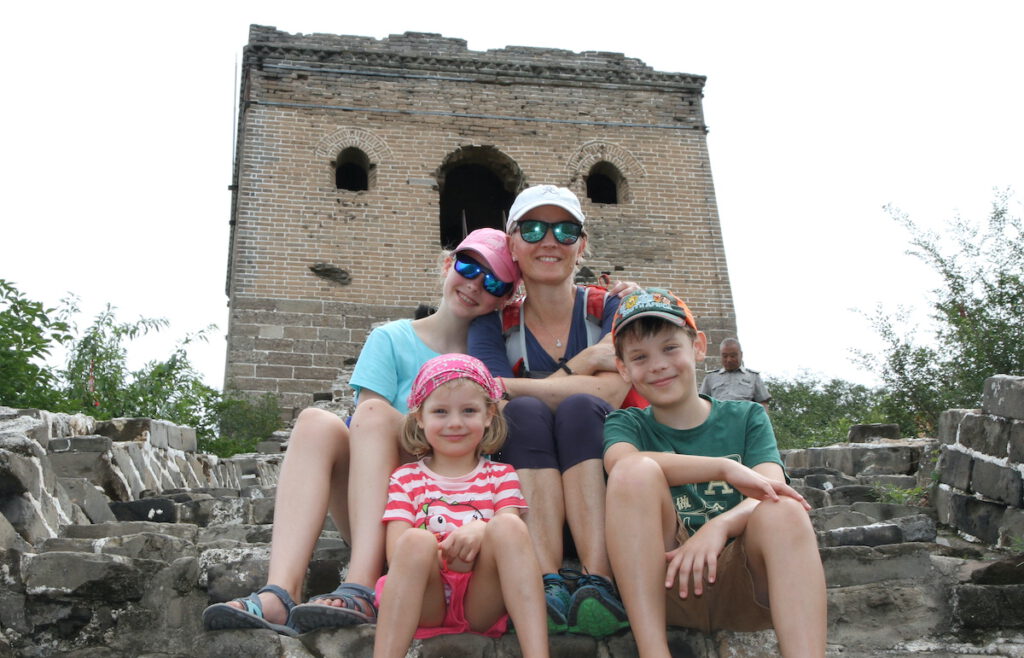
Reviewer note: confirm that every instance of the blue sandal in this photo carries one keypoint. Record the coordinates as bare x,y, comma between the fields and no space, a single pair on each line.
359,607
221,616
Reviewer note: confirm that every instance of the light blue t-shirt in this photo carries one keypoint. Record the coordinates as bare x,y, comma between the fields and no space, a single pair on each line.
389,362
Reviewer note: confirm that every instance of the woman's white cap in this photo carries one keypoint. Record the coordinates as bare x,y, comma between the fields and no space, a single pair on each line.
543,195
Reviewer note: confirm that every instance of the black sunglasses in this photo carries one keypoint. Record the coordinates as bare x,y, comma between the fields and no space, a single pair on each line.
534,230
470,269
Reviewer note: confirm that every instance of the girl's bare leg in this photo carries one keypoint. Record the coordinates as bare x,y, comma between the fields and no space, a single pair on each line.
506,565
413,594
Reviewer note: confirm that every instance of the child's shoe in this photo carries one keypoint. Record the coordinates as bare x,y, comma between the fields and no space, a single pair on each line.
595,608
557,594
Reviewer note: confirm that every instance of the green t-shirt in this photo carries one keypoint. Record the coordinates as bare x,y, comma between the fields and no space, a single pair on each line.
737,429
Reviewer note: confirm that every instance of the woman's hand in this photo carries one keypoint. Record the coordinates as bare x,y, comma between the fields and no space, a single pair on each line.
623,288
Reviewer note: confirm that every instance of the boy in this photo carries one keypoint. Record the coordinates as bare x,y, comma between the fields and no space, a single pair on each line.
678,472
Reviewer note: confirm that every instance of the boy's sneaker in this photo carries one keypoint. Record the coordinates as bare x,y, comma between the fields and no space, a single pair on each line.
595,608
557,594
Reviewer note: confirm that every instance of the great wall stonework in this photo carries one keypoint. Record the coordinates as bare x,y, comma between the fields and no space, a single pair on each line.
114,535
358,160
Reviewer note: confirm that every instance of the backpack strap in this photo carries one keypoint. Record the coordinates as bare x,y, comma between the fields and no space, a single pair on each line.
593,310
513,330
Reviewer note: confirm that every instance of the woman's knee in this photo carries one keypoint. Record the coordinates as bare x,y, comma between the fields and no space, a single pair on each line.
317,426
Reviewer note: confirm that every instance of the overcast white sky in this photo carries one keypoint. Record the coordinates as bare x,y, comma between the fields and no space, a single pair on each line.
117,126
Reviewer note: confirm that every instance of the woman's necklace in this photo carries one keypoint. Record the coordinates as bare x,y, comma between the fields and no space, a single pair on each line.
540,325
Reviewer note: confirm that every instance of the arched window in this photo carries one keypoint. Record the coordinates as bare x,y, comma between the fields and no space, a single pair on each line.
603,183
352,170
477,185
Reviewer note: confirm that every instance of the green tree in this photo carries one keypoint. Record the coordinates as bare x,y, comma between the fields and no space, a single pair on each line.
28,333
809,411
978,314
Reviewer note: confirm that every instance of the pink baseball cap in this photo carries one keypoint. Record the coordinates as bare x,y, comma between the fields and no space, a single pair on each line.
492,246
543,195
447,367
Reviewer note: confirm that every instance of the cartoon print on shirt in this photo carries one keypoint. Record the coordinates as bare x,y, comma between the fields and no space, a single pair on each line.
442,516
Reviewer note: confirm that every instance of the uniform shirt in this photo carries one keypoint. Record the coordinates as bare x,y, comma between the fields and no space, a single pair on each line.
734,429
739,384
441,504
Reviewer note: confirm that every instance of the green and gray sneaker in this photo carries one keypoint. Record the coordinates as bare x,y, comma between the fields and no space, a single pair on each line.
595,608
556,592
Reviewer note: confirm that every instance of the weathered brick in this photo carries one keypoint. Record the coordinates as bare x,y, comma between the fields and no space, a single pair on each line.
955,468
997,482
985,433
1004,396
580,110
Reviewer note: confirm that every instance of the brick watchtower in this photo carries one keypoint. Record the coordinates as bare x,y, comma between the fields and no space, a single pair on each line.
359,160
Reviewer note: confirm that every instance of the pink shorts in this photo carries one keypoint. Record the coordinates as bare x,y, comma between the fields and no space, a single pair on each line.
455,585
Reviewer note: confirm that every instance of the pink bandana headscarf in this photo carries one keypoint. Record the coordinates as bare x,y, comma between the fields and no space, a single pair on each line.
445,368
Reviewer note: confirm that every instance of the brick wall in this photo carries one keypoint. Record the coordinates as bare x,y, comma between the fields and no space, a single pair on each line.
980,490
411,102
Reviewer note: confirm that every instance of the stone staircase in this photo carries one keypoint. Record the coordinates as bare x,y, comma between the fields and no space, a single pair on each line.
114,535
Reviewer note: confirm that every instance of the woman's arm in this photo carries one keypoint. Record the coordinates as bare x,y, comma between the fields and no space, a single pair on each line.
608,386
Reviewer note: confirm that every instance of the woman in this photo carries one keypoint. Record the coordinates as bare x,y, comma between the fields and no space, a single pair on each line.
561,385
344,470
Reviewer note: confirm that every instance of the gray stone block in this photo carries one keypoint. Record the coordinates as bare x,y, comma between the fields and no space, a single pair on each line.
107,578
1004,396
155,510
876,534
978,518
28,426
989,606
918,528
852,493
32,518
985,433
839,516
95,443
867,458
1011,529
189,441
1017,441
949,424
184,531
10,539
93,501
889,511
997,482
867,431
827,481
892,481
954,468
125,429
19,474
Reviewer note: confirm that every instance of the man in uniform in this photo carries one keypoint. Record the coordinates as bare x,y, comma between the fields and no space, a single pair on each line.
732,381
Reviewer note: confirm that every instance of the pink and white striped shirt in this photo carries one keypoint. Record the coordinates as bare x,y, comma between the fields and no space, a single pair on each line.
441,504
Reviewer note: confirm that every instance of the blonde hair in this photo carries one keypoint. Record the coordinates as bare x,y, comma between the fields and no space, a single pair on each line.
414,441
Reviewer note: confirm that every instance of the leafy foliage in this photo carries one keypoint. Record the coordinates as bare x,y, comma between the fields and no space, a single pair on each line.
244,422
887,493
809,411
979,324
97,381
28,333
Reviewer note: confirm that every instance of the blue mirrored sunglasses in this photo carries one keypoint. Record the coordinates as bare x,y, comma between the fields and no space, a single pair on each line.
469,269
534,230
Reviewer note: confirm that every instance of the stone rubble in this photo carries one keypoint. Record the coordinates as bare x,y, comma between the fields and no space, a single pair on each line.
114,535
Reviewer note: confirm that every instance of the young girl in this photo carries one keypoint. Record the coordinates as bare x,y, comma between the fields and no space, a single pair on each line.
330,467
460,556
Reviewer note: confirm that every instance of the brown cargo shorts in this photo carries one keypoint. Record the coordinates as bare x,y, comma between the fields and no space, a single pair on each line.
728,604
